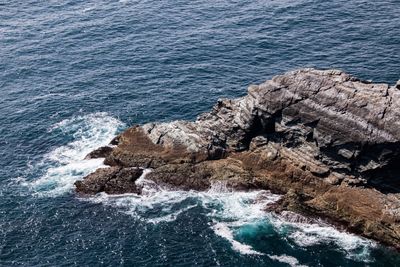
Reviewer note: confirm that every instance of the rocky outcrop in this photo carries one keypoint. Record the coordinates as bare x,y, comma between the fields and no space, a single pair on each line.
328,140
114,180
101,152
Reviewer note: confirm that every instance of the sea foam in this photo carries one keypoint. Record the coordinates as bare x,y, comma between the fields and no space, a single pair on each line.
233,213
316,233
292,261
65,164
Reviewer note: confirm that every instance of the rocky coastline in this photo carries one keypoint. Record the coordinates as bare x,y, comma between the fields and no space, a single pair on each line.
328,141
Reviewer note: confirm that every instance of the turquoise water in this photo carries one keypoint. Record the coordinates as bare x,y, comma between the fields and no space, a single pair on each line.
75,73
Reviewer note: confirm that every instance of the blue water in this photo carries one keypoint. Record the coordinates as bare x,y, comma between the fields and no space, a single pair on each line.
75,73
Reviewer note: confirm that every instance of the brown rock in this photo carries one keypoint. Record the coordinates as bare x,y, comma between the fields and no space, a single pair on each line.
113,180
101,152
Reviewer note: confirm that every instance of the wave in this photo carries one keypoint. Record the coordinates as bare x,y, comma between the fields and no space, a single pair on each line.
355,247
292,261
235,216
65,164
307,233
229,210
224,231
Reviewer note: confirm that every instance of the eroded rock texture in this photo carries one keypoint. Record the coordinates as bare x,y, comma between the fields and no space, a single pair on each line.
328,140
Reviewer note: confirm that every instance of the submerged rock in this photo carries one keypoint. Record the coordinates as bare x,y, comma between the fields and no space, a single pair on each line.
328,139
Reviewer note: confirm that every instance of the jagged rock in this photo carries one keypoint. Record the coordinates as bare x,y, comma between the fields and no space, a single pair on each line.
101,152
325,138
113,180
397,85
293,217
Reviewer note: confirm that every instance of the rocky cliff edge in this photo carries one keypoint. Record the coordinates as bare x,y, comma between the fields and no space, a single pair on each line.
326,140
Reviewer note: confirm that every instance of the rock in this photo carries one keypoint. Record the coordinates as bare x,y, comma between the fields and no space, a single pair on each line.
200,176
113,180
101,152
115,141
293,217
362,211
138,147
258,141
329,141
397,84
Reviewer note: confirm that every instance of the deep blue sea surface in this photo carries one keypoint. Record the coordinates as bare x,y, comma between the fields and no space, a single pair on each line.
75,73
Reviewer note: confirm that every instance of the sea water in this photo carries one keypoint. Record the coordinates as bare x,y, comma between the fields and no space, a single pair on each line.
73,74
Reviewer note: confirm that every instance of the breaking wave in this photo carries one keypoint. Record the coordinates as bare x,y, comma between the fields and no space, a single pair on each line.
235,216
64,165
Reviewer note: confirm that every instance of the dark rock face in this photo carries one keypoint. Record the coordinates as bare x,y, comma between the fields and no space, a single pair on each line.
114,180
329,140
101,152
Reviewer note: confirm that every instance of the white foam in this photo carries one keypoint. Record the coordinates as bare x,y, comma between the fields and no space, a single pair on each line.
228,209
292,261
60,179
310,234
232,210
153,197
66,164
240,206
170,217
224,231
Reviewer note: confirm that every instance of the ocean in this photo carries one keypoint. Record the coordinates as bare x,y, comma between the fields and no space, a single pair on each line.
73,74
